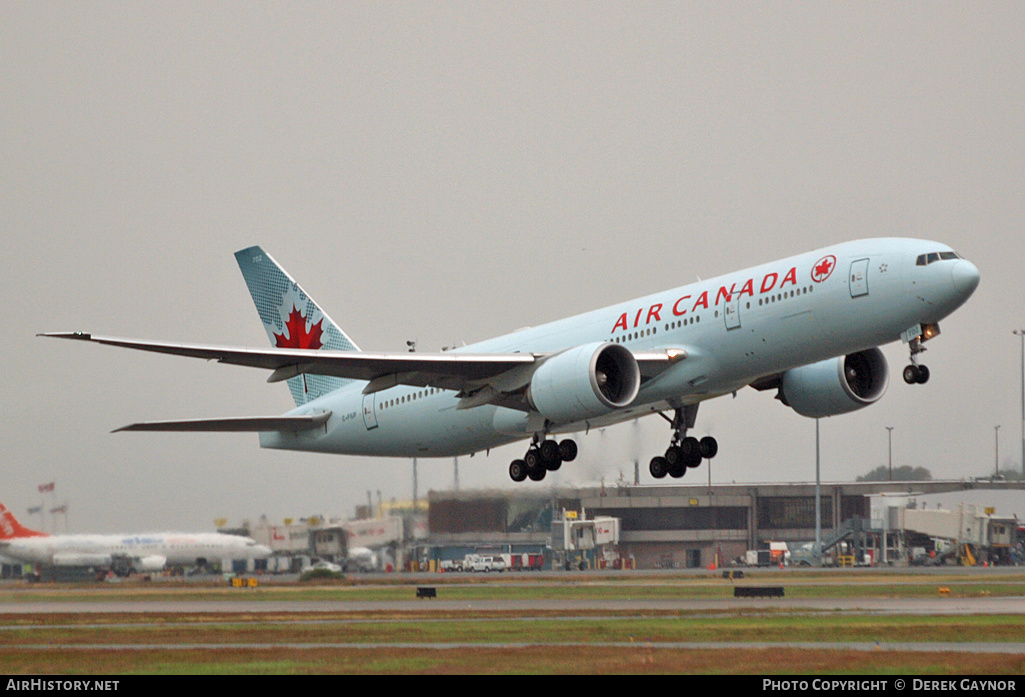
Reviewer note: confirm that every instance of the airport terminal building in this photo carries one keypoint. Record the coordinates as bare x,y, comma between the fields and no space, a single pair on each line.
681,526
655,527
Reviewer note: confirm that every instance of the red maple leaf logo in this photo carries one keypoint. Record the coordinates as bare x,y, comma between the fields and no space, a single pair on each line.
298,337
823,268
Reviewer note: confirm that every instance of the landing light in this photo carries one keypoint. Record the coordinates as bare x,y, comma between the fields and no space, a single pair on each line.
929,331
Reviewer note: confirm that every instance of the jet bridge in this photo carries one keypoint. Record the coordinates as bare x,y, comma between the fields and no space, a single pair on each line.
579,541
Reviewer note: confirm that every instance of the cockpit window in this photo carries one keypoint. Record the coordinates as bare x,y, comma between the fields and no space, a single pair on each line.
926,259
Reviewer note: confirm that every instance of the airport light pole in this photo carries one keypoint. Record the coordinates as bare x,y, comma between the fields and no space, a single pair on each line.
996,450
415,485
818,498
1021,333
889,448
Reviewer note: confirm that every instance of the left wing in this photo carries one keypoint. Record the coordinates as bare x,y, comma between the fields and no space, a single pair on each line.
480,378
236,424
414,368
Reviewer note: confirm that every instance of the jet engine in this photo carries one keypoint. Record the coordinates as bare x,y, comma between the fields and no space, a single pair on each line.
148,564
836,385
584,382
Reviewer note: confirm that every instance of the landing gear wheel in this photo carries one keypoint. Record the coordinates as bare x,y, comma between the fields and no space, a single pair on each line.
568,450
684,452
537,474
691,449
673,455
689,445
910,374
550,457
658,467
532,459
916,374
708,446
518,470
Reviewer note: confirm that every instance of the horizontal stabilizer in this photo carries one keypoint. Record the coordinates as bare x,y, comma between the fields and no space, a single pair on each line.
238,424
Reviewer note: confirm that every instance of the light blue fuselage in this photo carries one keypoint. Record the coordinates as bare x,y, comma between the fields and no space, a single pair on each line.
735,329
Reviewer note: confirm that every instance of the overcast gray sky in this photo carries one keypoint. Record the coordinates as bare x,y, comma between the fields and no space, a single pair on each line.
449,171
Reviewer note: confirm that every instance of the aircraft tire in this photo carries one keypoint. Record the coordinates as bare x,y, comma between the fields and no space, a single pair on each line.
537,475
517,470
916,374
673,454
658,467
691,449
532,459
568,450
689,446
677,469
708,446
550,457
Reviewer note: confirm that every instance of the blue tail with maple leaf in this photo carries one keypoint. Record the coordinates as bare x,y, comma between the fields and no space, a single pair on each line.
292,319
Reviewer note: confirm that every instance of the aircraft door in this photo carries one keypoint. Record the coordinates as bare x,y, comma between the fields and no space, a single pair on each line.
731,311
859,278
370,411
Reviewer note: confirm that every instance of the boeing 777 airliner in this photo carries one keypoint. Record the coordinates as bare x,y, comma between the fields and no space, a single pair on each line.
808,326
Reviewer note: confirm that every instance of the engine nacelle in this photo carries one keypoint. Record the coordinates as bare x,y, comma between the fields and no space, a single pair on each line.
149,564
584,382
837,385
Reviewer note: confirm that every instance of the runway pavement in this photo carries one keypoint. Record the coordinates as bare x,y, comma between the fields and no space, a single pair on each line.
915,606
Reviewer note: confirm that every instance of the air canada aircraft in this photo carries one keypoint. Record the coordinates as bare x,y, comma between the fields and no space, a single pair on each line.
808,327
140,552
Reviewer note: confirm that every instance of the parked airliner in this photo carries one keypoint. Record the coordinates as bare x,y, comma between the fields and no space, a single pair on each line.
139,552
808,326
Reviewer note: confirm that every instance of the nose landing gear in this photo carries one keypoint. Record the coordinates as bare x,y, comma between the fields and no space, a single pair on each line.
916,374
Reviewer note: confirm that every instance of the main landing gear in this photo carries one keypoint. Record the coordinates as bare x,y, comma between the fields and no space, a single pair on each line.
684,452
543,456
916,374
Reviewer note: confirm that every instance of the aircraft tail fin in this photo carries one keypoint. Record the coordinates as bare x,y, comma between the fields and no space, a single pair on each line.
11,529
292,319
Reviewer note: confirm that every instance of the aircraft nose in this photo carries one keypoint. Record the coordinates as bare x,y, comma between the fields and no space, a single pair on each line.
965,276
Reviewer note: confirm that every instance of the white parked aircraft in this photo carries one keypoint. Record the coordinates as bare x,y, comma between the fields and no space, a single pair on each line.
140,552
808,326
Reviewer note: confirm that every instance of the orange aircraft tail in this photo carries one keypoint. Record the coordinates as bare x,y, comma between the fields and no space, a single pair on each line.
10,528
